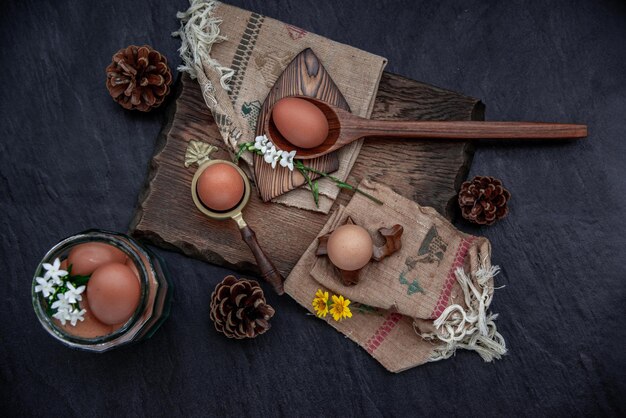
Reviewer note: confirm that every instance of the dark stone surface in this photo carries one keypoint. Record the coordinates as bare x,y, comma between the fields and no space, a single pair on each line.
71,159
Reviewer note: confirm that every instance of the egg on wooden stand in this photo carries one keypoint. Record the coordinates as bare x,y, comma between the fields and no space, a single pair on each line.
350,247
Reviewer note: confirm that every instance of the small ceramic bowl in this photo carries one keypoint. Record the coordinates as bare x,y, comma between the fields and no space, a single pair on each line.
155,295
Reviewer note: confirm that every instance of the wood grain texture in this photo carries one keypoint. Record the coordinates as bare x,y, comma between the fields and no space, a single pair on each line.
427,172
304,76
355,128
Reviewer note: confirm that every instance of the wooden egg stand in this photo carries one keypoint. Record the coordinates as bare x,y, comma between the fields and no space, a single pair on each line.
393,243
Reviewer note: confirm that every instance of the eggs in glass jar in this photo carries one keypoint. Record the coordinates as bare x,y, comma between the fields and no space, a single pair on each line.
112,292
73,309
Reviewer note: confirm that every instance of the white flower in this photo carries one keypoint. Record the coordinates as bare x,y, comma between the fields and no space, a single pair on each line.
261,143
73,294
54,272
61,304
75,316
44,286
275,159
272,155
65,310
269,154
286,159
62,315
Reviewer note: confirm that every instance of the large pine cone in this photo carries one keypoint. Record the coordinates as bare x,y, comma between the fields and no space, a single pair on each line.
483,200
139,78
238,308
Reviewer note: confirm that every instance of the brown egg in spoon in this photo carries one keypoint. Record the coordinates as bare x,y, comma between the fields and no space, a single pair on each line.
300,122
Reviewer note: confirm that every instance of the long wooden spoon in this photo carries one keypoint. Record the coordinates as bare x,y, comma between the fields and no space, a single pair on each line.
344,128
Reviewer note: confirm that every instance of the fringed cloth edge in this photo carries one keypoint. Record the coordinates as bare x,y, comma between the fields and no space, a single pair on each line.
199,31
469,327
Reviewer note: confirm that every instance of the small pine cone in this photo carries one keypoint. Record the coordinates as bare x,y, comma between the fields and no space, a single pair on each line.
483,200
139,78
238,308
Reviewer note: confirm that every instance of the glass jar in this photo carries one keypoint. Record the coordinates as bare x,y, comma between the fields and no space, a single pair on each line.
155,294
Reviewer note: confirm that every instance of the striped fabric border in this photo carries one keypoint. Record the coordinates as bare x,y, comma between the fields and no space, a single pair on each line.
244,52
442,302
382,332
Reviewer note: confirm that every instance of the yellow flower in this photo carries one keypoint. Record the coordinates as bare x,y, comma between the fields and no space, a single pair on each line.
339,309
320,303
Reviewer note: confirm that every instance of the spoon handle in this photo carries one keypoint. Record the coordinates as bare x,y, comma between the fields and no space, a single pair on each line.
465,129
269,272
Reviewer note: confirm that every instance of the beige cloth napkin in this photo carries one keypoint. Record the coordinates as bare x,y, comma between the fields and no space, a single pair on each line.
237,55
421,303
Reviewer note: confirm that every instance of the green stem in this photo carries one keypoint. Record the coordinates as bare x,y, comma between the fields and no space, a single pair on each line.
316,196
242,148
305,170
339,183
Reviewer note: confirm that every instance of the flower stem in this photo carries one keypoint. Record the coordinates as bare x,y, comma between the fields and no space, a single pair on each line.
305,170
339,183
243,148
313,187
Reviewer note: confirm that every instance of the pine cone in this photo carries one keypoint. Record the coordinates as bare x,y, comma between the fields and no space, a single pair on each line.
483,200
139,78
238,308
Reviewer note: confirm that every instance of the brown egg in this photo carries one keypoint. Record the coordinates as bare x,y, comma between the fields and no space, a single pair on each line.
300,122
113,292
350,247
86,258
220,187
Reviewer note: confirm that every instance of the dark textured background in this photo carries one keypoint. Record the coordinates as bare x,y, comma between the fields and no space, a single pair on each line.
71,159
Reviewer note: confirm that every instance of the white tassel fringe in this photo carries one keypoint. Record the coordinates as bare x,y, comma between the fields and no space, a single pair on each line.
199,30
470,328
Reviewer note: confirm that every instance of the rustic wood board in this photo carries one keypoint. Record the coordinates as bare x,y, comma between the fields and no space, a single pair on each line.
428,172
304,76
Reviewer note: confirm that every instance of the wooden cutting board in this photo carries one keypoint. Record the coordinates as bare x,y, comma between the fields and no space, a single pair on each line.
428,172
